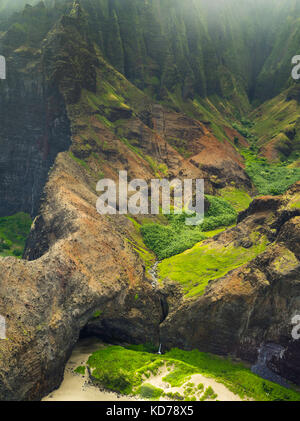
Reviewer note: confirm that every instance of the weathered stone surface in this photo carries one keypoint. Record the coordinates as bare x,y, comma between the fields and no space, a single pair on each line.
252,305
81,271
83,265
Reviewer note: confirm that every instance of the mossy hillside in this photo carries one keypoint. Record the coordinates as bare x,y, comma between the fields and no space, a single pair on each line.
136,240
196,267
277,121
112,105
172,239
215,111
80,370
29,26
127,370
14,231
294,203
275,75
149,392
178,52
96,91
270,178
239,199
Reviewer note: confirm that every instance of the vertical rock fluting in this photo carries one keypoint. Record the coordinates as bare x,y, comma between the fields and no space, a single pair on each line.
34,129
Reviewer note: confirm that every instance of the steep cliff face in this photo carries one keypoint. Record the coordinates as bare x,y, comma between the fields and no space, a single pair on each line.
65,104
34,122
89,274
90,266
80,264
179,48
254,304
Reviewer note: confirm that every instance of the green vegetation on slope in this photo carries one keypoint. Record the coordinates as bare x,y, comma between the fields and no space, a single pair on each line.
196,267
172,239
80,370
270,179
277,116
147,391
137,241
13,233
239,199
127,370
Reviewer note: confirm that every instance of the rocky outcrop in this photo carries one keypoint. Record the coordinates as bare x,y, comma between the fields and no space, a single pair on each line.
254,304
81,272
85,267
84,276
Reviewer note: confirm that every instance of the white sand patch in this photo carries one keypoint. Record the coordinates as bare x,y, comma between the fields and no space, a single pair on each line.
223,393
76,387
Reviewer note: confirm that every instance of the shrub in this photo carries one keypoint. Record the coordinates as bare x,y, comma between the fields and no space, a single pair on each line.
80,370
113,379
147,391
270,179
208,394
200,387
175,238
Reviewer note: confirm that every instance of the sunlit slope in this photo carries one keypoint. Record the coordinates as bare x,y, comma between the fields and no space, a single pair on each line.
277,126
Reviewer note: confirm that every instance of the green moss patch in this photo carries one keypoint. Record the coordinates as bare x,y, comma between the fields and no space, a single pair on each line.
294,202
268,178
121,370
239,199
194,268
126,370
80,370
137,242
147,391
170,240
14,231
78,161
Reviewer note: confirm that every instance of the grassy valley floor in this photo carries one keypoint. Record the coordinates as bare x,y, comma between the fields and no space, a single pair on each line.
135,373
203,263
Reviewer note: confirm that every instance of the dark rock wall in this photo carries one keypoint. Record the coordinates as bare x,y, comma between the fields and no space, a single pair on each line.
34,128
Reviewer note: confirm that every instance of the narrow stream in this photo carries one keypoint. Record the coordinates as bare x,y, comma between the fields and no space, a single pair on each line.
154,274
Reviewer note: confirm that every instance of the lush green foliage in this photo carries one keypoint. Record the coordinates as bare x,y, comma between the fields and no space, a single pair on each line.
196,267
209,394
167,241
239,199
243,130
13,233
128,369
268,178
147,391
175,238
80,370
220,214
121,369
